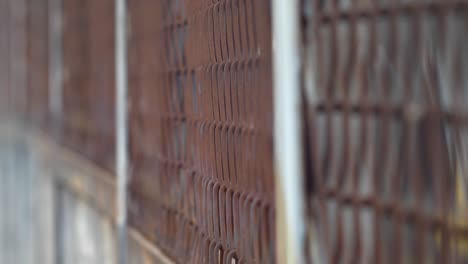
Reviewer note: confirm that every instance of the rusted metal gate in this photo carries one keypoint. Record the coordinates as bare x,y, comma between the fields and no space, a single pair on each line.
88,98
201,129
386,124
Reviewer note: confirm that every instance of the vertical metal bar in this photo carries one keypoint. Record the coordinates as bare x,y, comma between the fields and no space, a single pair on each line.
121,126
288,146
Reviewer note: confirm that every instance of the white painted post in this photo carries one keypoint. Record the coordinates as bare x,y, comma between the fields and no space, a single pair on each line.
121,125
288,144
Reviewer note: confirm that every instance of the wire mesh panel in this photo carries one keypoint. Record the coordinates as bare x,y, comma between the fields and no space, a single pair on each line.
4,58
102,82
75,55
37,55
17,42
88,81
386,86
201,129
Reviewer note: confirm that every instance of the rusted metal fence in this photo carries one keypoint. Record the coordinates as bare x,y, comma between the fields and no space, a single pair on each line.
386,90
4,58
384,85
14,59
87,121
201,129
37,30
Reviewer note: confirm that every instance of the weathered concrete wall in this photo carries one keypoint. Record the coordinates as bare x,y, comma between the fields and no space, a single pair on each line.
55,207
42,220
16,203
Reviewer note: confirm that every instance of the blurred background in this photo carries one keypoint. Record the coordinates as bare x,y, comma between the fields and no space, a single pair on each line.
233,131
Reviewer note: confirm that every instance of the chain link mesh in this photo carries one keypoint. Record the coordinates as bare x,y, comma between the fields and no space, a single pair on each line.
201,129
386,86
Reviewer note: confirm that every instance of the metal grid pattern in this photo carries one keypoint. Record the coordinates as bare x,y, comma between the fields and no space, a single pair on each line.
37,56
201,129
88,82
386,86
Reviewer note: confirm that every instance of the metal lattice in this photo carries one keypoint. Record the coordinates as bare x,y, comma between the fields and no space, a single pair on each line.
386,85
88,81
201,129
37,55
5,53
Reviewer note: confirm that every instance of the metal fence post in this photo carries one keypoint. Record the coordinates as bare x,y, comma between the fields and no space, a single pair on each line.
121,126
288,146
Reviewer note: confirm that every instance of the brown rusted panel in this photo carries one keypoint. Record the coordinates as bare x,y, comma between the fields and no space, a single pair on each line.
386,92
88,90
102,82
4,58
16,15
37,61
201,129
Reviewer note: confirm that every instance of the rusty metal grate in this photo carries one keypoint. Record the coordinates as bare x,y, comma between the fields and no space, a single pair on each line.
6,104
386,86
201,129
88,82
37,58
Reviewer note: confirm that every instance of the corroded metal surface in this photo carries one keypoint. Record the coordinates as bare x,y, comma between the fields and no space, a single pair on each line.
386,119
201,129
87,120
14,23
5,104
37,26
